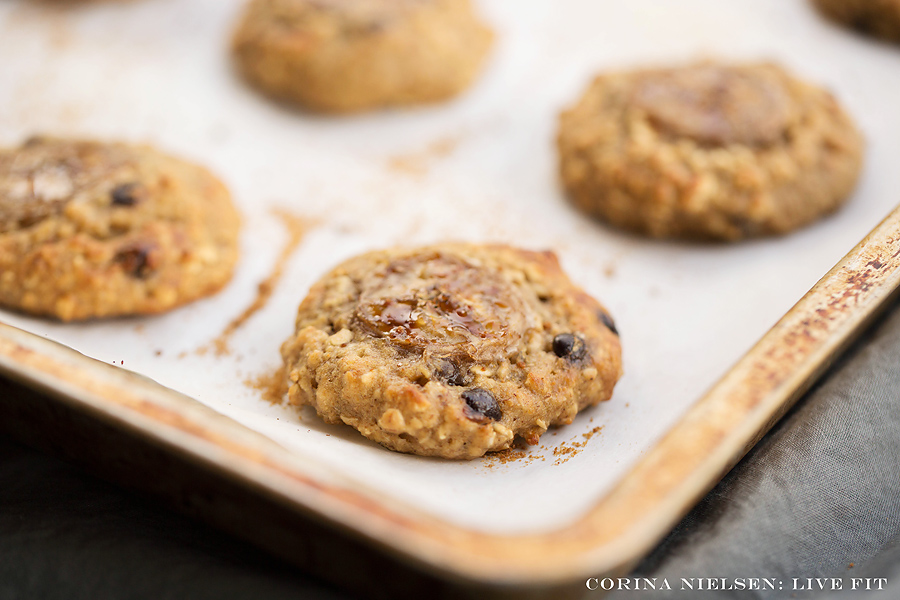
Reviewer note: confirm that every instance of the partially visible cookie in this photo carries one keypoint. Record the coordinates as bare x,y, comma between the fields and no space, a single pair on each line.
708,151
451,350
880,18
353,55
91,229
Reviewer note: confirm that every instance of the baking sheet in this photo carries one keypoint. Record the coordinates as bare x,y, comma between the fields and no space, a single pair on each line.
479,168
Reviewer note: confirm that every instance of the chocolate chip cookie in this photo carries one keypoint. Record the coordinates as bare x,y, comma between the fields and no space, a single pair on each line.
353,55
708,151
879,18
451,350
91,229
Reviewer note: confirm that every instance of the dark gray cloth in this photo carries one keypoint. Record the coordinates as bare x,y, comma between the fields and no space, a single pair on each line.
67,535
818,493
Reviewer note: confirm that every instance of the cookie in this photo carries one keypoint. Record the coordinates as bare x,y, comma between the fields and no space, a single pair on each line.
879,18
352,55
708,151
90,229
451,350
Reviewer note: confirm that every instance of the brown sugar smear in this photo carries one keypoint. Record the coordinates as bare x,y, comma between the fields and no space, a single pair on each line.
296,227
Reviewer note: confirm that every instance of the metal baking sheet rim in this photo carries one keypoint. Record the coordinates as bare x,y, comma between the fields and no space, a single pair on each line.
620,527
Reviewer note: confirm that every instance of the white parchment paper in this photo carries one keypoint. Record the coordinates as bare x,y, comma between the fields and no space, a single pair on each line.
482,167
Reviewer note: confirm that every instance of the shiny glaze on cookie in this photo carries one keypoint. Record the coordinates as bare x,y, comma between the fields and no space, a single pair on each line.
443,306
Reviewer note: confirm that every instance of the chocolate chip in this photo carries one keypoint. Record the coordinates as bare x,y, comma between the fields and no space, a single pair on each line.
607,320
864,24
482,403
569,346
136,260
34,140
373,27
451,372
126,194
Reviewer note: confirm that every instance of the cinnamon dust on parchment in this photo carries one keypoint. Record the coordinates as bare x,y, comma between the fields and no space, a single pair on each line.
520,453
296,227
567,450
271,384
417,163
504,457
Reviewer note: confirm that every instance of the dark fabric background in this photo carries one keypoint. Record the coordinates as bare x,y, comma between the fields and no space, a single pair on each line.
819,492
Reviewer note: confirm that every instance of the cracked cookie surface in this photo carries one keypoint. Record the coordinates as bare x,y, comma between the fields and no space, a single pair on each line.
353,55
451,350
91,229
708,151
